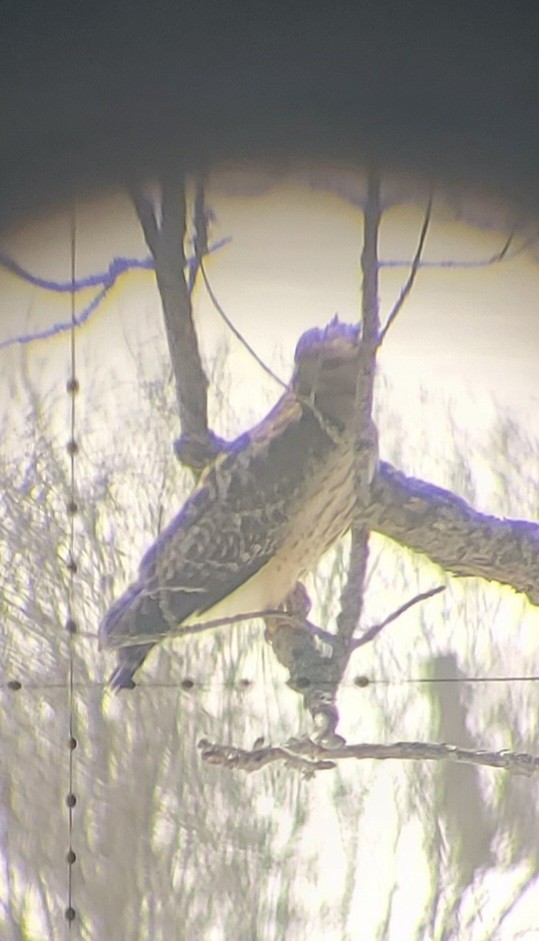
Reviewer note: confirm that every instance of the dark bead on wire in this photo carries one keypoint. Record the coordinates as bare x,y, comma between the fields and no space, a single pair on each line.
302,682
70,913
71,566
72,386
72,446
71,626
71,800
14,685
187,683
70,857
362,681
72,743
72,508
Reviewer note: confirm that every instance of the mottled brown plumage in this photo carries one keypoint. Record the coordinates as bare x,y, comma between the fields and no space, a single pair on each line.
261,516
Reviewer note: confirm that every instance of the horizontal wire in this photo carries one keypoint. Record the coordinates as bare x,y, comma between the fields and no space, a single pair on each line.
189,683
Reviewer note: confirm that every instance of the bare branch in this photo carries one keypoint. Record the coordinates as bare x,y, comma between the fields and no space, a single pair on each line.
201,219
24,339
197,445
503,255
104,280
373,631
147,218
413,272
369,263
299,624
239,336
117,267
309,756
239,758
322,698
452,534
352,595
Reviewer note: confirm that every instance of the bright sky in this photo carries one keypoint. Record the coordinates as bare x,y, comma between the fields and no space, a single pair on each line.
293,263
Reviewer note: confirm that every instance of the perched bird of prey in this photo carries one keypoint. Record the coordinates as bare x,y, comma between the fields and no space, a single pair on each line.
261,516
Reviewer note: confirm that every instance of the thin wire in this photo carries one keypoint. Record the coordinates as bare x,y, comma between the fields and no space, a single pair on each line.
235,330
325,425
189,683
460,679
413,272
72,448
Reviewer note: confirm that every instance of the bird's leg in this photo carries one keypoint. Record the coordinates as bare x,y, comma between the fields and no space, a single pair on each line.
296,607
292,636
312,675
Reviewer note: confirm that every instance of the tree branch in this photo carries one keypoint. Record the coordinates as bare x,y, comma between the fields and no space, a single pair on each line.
321,697
369,635
310,756
183,630
165,239
352,595
452,534
413,272
234,330
435,522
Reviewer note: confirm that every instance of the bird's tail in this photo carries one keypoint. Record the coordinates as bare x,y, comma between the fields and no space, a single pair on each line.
136,613
129,660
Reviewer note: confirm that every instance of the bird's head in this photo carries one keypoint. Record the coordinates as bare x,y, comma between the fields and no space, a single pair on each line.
326,370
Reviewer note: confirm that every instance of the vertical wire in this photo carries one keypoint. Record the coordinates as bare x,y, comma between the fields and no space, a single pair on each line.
72,447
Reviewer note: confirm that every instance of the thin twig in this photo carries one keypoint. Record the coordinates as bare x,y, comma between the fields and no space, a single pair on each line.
503,255
373,631
235,330
56,328
413,272
105,281
125,640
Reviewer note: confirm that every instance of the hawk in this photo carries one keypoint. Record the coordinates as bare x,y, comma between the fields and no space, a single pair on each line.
261,516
